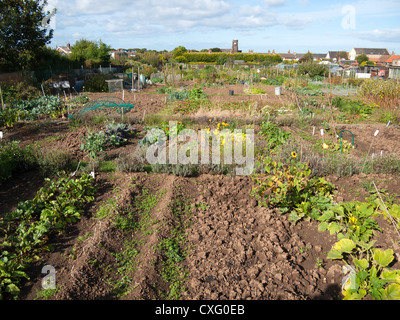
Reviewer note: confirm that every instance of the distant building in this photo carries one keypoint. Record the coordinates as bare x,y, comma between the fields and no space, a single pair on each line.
287,56
336,55
391,60
394,72
64,50
118,54
396,62
235,46
371,53
319,56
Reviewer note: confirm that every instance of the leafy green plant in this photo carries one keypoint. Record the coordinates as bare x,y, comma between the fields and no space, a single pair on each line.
23,231
307,91
273,134
51,106
278,81
288,187
254,90
118,133
370,275
352,220
12,157
186,107
9,117
350,106
174,248
165,126
97,83
94,143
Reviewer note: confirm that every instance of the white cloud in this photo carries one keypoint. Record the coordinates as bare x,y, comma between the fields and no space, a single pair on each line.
380,35
275,3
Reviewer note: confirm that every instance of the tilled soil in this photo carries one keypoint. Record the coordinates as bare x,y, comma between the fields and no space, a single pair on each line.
237,249
242,251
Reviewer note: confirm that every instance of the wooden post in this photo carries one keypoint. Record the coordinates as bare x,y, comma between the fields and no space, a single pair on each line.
132,80
2,102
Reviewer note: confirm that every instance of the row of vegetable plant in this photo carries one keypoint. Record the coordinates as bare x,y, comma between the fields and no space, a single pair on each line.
24,233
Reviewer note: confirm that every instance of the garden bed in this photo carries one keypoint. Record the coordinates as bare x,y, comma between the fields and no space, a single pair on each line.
167,233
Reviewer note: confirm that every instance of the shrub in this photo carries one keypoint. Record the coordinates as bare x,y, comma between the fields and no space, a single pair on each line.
97,83
13,158
313,69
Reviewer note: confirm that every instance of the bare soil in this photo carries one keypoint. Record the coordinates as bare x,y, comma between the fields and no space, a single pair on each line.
237,250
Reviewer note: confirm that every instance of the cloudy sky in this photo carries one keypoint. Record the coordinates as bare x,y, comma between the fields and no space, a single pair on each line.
259,25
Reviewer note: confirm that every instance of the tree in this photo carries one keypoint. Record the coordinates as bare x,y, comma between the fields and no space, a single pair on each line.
22,36
216,50
307,57
313,69
178,51
222,59
361,58
90,52
152,58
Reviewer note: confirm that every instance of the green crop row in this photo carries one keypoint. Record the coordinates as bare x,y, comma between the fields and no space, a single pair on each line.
24,232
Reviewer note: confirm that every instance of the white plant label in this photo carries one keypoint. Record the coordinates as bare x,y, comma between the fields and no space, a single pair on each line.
376,133
322,132
1,134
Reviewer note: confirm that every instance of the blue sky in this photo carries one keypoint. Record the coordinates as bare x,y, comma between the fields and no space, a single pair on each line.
259,25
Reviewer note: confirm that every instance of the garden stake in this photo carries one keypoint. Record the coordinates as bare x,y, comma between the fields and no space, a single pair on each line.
1,95
340,137
366,158
387,211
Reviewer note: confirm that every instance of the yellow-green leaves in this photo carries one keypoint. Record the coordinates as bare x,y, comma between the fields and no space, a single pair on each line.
383,258
392,292
340,247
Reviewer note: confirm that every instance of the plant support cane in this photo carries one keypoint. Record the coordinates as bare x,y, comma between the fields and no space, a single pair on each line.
366,158
1,96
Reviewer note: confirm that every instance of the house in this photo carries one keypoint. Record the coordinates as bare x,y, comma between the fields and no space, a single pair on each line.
371,53
223,50
394,72
316,56
336,55
396,62
390,61
64,50
286,56
382,60
118,54
319,56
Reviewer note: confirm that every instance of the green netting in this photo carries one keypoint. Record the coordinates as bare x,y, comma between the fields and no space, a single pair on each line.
104,102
